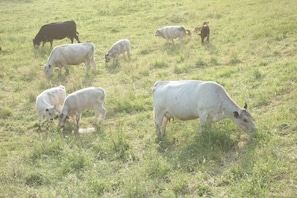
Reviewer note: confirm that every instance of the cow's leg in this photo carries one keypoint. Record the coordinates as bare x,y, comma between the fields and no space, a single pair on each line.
208,38
51,42
205,123
164,124
71,39
180,40
128,53
100,110
202,39
39,119
94,64
47,124
158,122
76,37
77,116
88,66
66,68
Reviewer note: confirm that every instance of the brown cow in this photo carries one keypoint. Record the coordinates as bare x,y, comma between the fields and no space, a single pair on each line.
204,31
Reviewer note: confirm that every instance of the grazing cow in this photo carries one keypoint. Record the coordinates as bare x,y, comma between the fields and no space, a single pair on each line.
76,102
192,99
173,32
204,31
70,54
51,31
119,47
47,102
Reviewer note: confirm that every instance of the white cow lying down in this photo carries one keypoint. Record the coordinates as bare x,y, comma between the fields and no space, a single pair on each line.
192,99
119,47
70,54
78,101
47,102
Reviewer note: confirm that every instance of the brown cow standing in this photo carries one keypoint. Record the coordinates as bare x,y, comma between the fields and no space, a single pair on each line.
204,31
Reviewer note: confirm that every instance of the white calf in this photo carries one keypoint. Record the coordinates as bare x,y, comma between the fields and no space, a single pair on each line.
173,32
76,102
119,47
47,102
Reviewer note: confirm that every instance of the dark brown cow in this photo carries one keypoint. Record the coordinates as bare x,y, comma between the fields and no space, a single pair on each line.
51,31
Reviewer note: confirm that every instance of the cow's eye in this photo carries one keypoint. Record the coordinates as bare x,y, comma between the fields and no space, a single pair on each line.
245,120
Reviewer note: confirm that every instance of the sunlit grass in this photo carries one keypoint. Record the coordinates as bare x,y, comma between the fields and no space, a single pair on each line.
252,53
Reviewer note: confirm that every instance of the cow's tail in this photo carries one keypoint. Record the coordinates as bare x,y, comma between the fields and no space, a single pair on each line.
156,85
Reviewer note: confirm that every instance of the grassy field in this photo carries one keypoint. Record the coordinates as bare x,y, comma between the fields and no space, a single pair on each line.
252,53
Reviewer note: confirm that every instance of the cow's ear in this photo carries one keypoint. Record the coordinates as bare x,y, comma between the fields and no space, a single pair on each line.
236,114
245,106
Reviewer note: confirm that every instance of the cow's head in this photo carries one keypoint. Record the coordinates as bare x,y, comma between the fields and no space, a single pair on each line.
36,44
205,23
244,120
62,119
49,113
158,33
48,70
107,57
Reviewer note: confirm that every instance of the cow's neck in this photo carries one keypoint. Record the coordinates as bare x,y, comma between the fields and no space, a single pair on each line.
230,107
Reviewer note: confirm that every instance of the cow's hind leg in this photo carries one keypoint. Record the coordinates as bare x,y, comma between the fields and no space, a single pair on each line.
100,110
159,117
92,61
51,42
88,66
164,124
77,118
76,37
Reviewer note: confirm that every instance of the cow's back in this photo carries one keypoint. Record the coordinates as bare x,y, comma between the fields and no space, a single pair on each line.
121,45
179,98
84,98
53,96
72,54
174,31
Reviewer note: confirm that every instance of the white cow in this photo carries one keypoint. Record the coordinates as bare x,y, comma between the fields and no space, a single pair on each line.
192,99
119,47
47,102
173,32
78,101
70,54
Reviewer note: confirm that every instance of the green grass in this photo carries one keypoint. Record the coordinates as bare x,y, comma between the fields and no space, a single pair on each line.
252,53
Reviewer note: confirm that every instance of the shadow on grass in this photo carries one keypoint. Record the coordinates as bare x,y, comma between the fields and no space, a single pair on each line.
210,149
113,67
211,146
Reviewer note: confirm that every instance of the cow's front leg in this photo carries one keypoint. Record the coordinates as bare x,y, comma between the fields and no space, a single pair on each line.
66,68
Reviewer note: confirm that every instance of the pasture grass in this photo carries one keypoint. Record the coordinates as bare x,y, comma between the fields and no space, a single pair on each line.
252,53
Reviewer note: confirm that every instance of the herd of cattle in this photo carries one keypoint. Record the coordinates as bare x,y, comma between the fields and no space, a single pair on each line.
185,100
